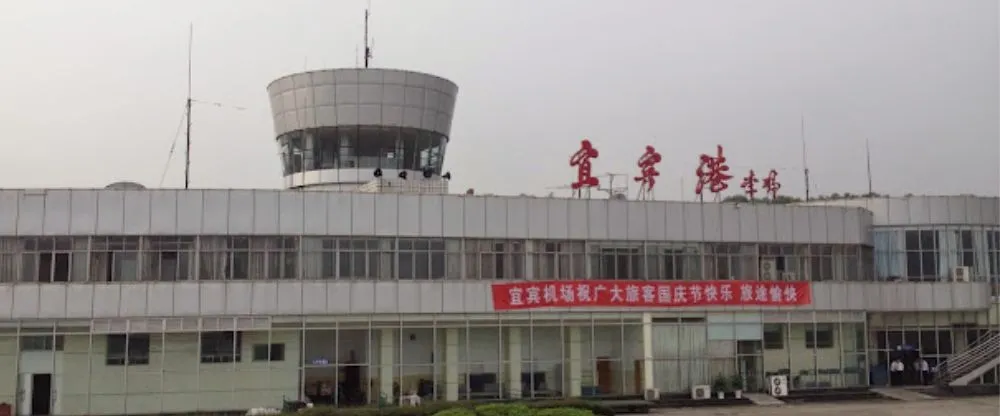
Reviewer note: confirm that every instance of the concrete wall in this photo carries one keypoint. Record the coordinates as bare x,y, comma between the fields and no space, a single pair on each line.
83,383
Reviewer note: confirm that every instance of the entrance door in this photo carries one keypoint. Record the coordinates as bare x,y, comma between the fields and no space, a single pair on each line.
41,394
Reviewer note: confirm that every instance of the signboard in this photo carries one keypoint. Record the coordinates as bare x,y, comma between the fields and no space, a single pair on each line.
778,386
647,294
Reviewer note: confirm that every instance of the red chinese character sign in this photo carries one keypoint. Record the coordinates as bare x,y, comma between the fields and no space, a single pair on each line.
749,185
647,172
712,171
647,294
581,160
771,184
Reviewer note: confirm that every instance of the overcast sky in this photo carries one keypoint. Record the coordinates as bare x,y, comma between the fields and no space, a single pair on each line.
93,91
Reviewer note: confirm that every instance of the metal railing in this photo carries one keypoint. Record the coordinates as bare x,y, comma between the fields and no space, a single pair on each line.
980,352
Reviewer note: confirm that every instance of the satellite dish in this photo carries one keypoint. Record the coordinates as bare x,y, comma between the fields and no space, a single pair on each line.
125,186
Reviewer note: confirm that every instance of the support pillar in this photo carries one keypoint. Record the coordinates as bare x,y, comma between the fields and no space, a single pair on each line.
647,352
574,362
387,361
514,362
451,364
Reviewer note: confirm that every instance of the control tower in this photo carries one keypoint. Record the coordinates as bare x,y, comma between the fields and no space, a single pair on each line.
363,129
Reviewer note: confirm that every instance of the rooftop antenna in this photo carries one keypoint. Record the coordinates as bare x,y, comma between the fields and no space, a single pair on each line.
868,161
368,47
187,114
805,165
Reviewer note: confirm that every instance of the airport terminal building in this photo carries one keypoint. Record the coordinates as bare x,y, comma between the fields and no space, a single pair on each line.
354,284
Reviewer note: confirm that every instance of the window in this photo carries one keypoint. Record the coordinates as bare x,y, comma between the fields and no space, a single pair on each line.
47,260
360,259
921,253
114,259
623,262
819,336
421,259
993,246
488,259
221,347
168,259
559,260
41,343
666,262
282,258
966,251
269,352
131,349
774,336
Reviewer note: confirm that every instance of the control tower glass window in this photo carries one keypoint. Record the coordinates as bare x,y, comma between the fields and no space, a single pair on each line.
362,147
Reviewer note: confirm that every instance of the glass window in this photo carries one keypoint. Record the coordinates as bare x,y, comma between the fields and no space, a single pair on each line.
131,349
774,337
42,343
819,336
221,347
269,352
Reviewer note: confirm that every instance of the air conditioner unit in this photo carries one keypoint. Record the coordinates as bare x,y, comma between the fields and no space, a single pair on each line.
652,394
768,269
701,392
777,386
960,274
789,276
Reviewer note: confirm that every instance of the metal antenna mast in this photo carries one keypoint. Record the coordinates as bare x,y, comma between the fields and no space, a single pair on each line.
368,47
805,166
187,115
868,161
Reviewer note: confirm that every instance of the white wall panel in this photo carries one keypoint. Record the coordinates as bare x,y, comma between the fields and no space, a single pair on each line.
363,217
106,302
340,210
557,225
30,213
9,201
387,215
408,213
186,299
474,210
6,301
238,298
25,303
111,213
212,299
138,212
265,298
496,216
57,212
597,224
133,300
269,212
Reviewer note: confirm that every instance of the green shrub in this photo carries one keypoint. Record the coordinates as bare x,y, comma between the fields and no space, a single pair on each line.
593,406
564,411
339,411
504,409
467,408
455,411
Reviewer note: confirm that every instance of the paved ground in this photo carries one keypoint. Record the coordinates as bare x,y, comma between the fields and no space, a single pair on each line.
972,406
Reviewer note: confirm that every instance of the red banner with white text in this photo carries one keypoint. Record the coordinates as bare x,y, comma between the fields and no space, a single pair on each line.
647,294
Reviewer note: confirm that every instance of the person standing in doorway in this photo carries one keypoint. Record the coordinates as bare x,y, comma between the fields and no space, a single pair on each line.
896,372
925,371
